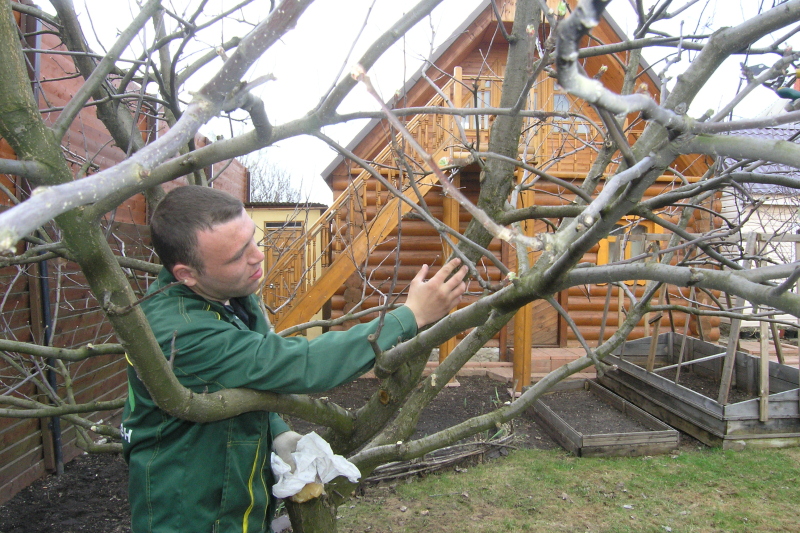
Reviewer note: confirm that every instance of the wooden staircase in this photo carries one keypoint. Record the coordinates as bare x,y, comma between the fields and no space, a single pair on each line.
331,249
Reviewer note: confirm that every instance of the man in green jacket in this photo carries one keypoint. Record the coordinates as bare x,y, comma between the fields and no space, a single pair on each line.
216,477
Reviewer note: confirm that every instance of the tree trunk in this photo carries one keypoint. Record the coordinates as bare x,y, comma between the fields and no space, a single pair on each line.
317,515
498,176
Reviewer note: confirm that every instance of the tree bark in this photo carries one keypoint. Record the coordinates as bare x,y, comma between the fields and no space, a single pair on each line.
498,176
314,516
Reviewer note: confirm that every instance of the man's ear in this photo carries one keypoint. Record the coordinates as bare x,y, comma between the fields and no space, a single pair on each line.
185,273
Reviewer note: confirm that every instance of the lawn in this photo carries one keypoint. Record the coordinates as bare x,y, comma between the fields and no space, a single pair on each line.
706,490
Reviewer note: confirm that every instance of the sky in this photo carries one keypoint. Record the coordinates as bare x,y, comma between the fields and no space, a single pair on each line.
318,51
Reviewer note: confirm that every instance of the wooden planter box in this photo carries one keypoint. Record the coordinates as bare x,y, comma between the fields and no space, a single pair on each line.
656,438
734,425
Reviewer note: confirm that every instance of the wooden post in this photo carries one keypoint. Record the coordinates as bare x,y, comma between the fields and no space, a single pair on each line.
683,342
523,344
763,388
776,340
606,306
458,98
563,328
451,218
651,356
736,324
523,320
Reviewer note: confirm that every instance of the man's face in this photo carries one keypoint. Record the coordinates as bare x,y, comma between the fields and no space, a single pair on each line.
232,261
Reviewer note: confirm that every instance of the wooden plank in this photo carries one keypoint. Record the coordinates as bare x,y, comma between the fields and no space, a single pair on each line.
753,428
627,450
728,426
632,437
10,487
679,400
658,409
557,427
763,387
781,405
783,376
650,441
736,324
629,409
31,440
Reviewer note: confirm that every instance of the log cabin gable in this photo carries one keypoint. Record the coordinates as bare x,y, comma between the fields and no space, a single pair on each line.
475,57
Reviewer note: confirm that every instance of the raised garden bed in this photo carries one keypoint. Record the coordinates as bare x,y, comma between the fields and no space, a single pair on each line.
691,405
591,421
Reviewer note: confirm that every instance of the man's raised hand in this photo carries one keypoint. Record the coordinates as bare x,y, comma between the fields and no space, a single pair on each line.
432,299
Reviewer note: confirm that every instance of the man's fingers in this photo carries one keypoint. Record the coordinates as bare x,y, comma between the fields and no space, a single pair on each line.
458,277
447,269
420,277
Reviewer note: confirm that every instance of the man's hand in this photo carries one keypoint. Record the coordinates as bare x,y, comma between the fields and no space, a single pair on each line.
433,299
285,445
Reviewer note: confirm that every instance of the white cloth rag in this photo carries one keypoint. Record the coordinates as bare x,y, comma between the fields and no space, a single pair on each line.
315,462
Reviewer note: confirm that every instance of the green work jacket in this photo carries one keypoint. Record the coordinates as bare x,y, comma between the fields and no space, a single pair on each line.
216,477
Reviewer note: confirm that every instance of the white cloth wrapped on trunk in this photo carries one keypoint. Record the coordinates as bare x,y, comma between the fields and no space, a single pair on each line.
315,463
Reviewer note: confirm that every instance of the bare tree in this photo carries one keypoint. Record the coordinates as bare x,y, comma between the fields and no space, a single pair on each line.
66,217
271,182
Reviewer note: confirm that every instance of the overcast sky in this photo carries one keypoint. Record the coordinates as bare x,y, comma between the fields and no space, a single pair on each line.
308,60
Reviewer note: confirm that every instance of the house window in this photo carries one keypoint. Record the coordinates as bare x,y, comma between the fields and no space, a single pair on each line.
483,99
560,104
574,125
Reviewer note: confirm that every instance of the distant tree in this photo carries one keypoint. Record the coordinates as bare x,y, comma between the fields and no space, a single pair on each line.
271,182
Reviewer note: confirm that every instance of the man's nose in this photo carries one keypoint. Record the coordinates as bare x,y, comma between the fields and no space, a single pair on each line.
258,256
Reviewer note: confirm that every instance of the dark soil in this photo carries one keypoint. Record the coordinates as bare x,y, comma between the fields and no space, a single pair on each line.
707,386
589,415
473,396
91,495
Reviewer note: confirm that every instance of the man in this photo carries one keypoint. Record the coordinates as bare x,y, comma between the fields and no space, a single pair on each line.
216,477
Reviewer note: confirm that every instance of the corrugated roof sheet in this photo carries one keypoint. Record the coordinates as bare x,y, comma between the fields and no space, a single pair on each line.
786,132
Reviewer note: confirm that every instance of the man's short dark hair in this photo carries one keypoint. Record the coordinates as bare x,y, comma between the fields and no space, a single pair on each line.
182,213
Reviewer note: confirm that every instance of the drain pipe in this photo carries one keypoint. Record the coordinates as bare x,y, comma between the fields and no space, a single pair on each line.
52,376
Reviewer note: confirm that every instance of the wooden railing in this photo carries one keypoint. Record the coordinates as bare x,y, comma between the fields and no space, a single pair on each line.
346,233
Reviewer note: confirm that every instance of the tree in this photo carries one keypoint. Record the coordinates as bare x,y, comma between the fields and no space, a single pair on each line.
76,207
270,182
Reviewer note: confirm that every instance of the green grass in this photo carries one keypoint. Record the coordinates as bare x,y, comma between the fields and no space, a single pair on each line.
534,490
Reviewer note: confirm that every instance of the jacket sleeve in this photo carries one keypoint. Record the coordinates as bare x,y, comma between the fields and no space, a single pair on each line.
277,425
212,354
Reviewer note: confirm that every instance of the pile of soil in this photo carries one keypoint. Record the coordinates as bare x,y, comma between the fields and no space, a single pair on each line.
91,495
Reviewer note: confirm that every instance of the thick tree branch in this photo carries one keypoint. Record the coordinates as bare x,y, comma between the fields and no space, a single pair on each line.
206,104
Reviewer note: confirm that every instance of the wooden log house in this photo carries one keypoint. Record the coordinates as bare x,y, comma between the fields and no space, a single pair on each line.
468,71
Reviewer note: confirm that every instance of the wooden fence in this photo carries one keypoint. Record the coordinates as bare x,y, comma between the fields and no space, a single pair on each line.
29,447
